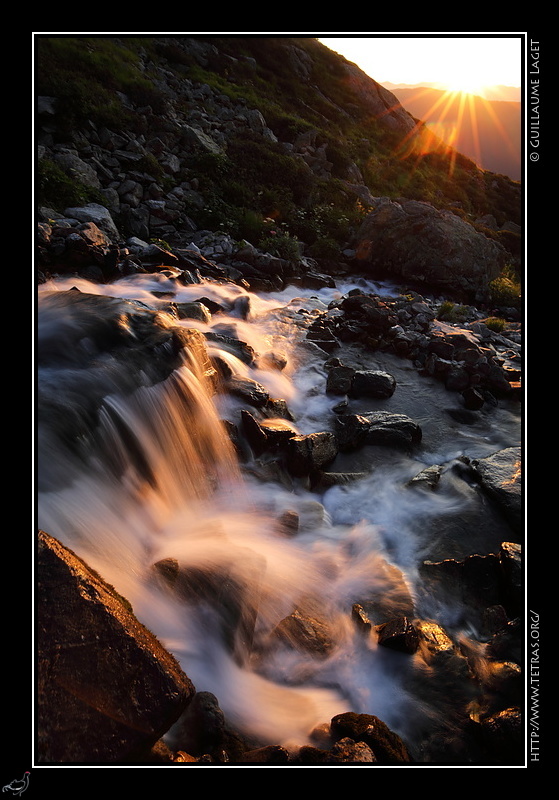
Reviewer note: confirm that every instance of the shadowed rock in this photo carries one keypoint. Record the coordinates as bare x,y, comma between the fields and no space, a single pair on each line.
417,242
106,687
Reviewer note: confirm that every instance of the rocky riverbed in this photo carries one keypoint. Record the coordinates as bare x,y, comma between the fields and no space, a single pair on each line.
391,384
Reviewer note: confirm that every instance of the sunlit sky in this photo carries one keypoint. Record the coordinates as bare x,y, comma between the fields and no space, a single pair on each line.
453,62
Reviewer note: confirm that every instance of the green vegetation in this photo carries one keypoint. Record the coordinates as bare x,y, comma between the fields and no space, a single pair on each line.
85,74
506,290
454,313
495,324
58,190
161,243
280,243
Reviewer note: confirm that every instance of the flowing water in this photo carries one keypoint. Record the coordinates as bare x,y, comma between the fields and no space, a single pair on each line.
154,476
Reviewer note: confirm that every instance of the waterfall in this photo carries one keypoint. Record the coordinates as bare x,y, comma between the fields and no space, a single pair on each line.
139,477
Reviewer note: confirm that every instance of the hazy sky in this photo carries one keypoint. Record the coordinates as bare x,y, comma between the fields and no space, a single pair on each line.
458,61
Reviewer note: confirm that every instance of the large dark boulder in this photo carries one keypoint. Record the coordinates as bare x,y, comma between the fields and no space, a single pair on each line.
106,687
416,242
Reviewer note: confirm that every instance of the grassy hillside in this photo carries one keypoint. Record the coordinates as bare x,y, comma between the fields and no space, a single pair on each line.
104,81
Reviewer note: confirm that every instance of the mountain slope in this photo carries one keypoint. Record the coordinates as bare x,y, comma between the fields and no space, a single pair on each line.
230,133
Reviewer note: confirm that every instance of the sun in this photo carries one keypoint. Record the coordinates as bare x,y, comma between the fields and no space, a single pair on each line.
465,84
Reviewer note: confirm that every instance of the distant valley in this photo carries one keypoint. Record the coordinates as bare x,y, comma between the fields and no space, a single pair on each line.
487,131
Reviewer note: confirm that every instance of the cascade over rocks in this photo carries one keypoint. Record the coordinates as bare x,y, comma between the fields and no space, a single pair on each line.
102,676
489,585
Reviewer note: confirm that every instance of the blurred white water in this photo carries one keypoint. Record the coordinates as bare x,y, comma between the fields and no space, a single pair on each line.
184,497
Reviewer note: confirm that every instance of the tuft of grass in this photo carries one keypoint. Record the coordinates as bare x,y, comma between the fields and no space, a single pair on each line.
506,291
495,324
453,312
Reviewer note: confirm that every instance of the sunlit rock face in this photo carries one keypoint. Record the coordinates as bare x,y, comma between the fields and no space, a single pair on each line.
417,242
379,101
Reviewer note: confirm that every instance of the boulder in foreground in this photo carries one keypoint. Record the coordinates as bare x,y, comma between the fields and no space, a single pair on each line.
107,688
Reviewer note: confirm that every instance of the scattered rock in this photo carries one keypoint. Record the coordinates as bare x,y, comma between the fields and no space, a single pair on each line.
305,633
500,475
372,383
398,634
310,452
377,428
386,745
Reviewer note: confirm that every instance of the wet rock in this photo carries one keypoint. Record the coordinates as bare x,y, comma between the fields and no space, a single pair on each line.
436,645
201,729
495,619
377,427
317,280
339,380
212,306
386,745
506,644
428,477
277,408
255,435
504,678
346,751
325,480
241,350
311,452
274,755
289,522
399,634
457,379
387,598
194,310
375,316
250,391
481,580
167,569
274,359
306,634
473,398
278,431
510,556
500,476
324,339
372,383
471,585
311,756
360,619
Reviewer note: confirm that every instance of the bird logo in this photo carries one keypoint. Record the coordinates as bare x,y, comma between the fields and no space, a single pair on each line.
18,786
